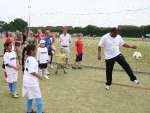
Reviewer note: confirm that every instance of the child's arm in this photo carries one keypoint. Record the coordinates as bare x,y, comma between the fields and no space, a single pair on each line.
12,66
64,60
37,75
23,57
38,54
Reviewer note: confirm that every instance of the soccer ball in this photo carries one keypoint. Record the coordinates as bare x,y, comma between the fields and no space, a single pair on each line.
137,55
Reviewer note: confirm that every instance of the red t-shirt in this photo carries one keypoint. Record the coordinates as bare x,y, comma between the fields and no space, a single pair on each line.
79,46
40,36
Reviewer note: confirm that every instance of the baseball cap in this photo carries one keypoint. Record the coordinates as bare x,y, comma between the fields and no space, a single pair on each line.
42,41
9,40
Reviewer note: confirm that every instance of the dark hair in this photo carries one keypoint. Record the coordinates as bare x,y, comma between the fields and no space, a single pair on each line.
6,44
29,48
114,30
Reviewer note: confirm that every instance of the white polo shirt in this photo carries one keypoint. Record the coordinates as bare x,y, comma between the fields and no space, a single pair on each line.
42,55
65,39
10,58
111,45
31,66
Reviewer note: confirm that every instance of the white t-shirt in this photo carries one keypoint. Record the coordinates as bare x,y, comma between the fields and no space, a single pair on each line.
31,66
42,55
111,45
10,58
65,39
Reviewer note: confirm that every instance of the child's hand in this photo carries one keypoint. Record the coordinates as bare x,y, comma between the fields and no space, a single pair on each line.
41,78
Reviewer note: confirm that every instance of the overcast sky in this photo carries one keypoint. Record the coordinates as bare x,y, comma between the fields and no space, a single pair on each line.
77,12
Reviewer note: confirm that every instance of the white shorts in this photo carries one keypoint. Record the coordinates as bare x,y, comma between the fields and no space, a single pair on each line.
32,92
11,78
66,51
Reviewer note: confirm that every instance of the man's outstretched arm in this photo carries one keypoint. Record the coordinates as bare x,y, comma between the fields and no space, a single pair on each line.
129,46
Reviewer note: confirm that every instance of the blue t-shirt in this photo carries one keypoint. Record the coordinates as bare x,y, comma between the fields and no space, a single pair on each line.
48,44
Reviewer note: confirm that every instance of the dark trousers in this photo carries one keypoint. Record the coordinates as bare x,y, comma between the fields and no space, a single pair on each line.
51,58
121,60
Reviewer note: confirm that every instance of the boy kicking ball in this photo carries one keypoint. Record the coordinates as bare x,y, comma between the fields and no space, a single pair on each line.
60,61
31,77
11,67
42,57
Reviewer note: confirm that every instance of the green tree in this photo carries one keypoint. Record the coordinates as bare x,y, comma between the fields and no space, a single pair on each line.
91,30
18,24
2,24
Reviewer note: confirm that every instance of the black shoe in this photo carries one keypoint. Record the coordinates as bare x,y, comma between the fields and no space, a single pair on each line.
74,67
32,111
80,68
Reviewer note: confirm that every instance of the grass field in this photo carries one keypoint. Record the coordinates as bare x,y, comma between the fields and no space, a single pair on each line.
82,91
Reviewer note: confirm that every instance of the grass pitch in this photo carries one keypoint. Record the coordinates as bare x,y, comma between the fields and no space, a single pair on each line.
82,91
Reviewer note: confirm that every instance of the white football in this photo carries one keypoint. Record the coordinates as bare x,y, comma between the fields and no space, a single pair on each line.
137,55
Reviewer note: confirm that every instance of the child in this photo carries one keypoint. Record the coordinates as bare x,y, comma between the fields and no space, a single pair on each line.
79,53
31,77
42,57
8,40
61,61
49,44
11,67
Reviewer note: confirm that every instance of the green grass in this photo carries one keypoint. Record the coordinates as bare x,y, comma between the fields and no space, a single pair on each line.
82,91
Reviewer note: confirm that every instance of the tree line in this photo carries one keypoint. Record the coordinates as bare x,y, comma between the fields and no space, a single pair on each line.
90,30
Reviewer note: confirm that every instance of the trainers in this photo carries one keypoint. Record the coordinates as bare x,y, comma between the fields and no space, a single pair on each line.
67,67
107,87
14,95
79,67
46,77
51,66
136,82
48,73
32,111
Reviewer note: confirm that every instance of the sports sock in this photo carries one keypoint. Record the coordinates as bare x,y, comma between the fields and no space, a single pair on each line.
10,86
39,105
29,105
13,87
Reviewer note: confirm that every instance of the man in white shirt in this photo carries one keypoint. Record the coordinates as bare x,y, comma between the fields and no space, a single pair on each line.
65,40
110,43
